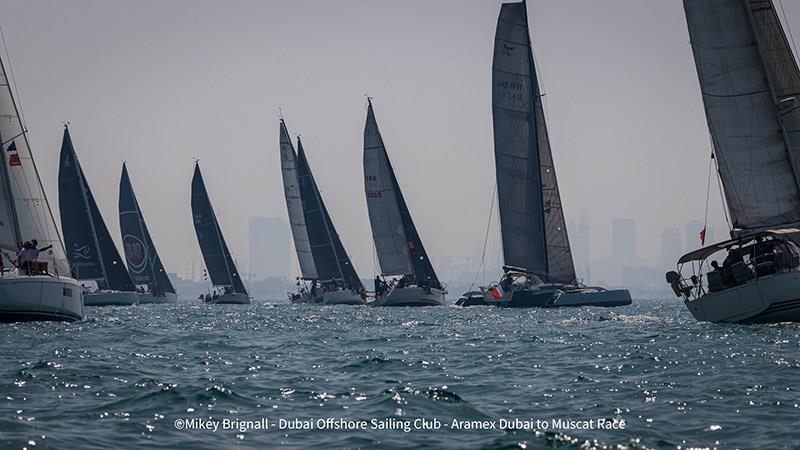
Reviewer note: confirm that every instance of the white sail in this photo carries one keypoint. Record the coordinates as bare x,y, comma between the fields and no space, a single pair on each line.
390,238
30,203
294,204
749,82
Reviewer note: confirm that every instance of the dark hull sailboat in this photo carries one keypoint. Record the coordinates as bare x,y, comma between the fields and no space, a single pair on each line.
144,264
749,81
539,271
397,242
331,266
90,249
229,288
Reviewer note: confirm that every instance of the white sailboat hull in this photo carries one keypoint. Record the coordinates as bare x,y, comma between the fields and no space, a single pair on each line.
413,296
768,299
231,299
167,297
111,298
342,298
34,298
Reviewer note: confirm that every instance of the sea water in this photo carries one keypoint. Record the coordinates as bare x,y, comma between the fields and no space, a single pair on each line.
304,376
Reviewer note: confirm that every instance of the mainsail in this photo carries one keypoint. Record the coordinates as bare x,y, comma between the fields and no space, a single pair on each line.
397,242
531,215
144,264
330,258
92,253
294,204
25,213
216,255
750,86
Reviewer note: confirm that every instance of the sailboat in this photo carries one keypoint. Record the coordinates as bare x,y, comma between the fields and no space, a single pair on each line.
144,264
228,287
322,256
538,266
45,290
750,84
397,242
92,253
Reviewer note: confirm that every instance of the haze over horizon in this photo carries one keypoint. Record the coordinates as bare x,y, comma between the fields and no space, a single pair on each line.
158,84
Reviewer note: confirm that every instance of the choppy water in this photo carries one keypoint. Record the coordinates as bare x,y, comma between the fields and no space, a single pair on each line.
125,375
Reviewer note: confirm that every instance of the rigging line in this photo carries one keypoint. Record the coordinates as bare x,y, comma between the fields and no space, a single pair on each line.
708,191
485,238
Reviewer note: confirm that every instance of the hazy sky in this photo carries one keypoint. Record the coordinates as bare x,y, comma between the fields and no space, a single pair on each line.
159,83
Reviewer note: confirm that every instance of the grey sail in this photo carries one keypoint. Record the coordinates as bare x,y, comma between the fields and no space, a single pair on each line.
294,204
531,216
144,264
216,255
750,86
397,241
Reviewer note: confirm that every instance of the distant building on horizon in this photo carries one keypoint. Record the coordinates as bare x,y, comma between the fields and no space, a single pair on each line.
623,240
670,248
270,247
579,242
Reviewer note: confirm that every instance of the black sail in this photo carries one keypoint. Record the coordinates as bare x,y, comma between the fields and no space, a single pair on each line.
90,249
531,215
330,257
216,255
144,264
396,246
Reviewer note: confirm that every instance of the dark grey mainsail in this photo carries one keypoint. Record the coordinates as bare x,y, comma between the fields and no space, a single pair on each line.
144,264
90,249
294,204
750,85
216,255
397,242
330,258
531,216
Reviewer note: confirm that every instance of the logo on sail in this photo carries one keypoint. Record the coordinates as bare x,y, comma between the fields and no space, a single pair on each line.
135,253
81,252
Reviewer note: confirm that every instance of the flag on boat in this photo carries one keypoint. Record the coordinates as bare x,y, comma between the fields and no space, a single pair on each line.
703,236
13,160
497,292
12,147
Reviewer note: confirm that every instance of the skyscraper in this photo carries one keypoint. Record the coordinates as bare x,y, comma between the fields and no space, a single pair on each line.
624,241
579,242
269,247
670,248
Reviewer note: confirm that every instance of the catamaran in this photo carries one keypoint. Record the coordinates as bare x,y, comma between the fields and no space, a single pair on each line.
750,85
43,289
538,269
92,253
144,264
323,259
397,242
228,287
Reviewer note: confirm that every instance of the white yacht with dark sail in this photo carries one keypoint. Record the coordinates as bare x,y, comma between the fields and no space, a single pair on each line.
397,242
750,86
42,289
144,264
323,259
538,270
228,287
92,253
